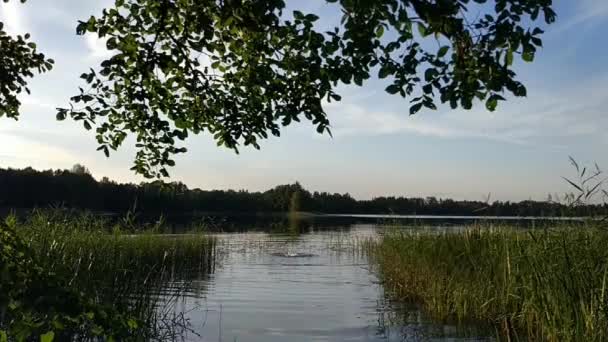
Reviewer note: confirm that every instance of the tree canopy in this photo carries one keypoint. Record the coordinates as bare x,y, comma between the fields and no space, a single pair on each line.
29,188
240,70
19,59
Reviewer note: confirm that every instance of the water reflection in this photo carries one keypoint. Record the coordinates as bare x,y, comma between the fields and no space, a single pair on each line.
303,223
304,284
407,322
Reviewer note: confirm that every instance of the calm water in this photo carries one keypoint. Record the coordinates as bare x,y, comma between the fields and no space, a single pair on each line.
303,286
276,223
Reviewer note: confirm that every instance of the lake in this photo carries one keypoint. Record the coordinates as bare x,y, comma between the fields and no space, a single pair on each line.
306,222
307,282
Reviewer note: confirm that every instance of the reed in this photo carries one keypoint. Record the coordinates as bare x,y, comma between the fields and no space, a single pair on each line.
101,271
544,285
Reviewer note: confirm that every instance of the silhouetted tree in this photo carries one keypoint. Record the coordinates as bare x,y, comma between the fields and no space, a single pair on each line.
28,188
80,169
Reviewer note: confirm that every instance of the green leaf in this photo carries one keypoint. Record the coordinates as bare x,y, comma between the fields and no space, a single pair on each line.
550,15
520,91
537,41
81,28
415,108
105,150
528,56
311,17
509,58
430,105
491,104
537,31
111,44
422,30
385,71
60,115
393,89
48,337
443,51
430,74
534,14
379,31
427,88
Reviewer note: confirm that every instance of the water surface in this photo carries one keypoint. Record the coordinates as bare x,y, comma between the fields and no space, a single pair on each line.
315,286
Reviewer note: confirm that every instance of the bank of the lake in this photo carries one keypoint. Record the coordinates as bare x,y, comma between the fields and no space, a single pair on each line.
76,277
543,285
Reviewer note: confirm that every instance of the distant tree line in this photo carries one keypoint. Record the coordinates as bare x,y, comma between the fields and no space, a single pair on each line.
77,188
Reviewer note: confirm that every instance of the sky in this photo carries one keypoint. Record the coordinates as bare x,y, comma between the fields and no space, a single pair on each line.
518,152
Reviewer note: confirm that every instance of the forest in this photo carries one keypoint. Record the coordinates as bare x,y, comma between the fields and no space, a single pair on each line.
78,189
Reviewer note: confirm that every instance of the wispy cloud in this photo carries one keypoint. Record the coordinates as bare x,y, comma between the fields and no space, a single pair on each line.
573,111
355,120
33,152
592,9
587,12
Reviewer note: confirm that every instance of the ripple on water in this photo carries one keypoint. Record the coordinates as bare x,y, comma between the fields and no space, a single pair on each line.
270,288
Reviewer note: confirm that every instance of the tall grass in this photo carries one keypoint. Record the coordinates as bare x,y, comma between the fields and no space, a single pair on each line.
547,285
107,273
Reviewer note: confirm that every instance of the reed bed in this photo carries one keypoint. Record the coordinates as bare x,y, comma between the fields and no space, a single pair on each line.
543,285
96,280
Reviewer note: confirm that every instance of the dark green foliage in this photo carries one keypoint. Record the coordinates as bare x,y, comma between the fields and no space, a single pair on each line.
548,285
34,299
29,188
240,69
19,59
68,278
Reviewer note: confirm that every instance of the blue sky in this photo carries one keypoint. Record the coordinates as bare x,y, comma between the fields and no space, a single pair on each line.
518,152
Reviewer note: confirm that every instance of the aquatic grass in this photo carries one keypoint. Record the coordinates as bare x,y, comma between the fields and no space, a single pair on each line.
548,285
134,275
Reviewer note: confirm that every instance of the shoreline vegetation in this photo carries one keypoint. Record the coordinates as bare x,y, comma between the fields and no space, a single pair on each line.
69,274
543,285
78,189
66,277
